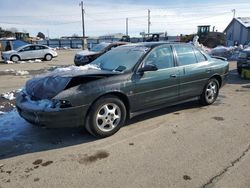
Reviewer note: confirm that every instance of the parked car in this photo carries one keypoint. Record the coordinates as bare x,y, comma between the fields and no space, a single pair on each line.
124,82
243,60
87,56
30,51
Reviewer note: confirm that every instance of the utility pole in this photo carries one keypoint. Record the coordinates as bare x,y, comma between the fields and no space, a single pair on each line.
127,26
83,28
234,12
149,21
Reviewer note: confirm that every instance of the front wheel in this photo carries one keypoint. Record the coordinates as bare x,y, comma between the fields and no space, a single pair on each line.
48,57
106,117
210,92
14,58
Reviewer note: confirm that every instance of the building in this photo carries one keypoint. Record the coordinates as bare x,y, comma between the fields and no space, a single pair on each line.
238,31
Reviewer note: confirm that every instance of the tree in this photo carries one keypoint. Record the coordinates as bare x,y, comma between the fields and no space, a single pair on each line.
41,35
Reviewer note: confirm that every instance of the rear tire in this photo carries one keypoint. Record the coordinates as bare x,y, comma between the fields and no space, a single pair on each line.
15,58
210,92
106,116
48,57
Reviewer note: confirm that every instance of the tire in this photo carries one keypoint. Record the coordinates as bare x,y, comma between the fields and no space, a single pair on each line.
15,58
101,126
210,92
48,57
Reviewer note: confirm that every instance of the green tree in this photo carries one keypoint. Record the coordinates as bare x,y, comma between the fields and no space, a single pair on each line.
41,35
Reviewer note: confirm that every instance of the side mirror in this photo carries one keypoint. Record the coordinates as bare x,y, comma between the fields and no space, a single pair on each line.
146,68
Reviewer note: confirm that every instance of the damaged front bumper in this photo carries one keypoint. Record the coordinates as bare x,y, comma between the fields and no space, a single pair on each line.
50,117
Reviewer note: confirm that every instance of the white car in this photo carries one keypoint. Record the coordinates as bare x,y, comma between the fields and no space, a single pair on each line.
30,51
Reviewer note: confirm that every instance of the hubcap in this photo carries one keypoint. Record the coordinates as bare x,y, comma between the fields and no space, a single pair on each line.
108,117
211,92
48,57
15,58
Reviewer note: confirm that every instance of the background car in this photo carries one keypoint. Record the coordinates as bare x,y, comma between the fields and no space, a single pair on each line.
87,56
30,51
122,83
243,60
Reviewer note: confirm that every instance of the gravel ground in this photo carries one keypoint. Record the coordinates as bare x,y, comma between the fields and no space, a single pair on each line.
182,146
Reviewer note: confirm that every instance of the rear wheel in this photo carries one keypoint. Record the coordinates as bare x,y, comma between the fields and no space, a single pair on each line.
106,116
210,92
48,57
15,58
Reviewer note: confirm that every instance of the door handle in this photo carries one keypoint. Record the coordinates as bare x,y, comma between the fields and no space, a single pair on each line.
173,76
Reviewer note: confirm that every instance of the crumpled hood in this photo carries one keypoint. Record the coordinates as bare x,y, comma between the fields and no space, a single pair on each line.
49,85
86,53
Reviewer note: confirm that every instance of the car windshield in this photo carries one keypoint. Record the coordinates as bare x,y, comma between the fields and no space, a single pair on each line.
121,58
100,47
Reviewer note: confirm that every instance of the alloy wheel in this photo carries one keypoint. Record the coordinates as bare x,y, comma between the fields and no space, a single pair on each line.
108,117
211,92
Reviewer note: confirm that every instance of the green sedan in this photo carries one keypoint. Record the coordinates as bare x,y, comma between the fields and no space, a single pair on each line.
124,82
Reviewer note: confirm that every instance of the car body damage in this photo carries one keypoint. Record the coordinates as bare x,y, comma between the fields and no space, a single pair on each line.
49,86
130,77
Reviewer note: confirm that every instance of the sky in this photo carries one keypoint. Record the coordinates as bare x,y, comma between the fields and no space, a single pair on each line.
56,18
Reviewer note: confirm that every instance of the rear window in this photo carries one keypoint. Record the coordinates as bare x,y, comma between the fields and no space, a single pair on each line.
185,55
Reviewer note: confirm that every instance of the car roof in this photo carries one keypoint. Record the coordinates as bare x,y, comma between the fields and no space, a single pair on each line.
26,45
154,44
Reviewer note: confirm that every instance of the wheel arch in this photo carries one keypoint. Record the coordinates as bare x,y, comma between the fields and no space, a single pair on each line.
117,94
15,55
218,78
48,54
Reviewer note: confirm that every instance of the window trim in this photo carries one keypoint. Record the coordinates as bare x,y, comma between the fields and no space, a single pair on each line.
177,59
201,54
159,46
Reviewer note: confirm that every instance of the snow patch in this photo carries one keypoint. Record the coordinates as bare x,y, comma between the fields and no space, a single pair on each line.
38,60
9,62
8,96
73,68
21,73
37,105
2,113
17,72
21,62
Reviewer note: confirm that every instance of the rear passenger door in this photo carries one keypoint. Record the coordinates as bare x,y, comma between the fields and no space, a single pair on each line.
39,52
155,88
193,70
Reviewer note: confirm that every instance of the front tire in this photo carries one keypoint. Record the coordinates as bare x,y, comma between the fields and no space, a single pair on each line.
210,92
15,58
106,116
48,57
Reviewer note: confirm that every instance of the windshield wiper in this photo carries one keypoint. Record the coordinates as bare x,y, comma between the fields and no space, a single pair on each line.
120,69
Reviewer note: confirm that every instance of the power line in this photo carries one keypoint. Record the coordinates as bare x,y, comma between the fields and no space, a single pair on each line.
149,21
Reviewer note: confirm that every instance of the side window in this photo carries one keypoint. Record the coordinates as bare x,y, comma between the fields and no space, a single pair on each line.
185,55
199,56
29,48
39,47
162,57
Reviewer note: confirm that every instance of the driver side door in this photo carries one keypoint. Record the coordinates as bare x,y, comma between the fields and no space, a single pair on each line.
27,52
154,88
